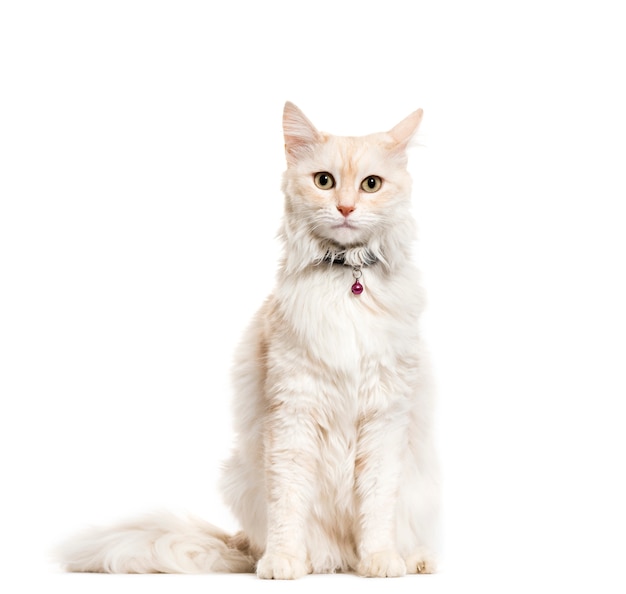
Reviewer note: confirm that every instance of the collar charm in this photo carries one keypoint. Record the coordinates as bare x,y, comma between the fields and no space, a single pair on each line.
362,258
357,287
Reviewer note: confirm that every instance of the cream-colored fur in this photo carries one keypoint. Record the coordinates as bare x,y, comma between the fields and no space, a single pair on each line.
334,465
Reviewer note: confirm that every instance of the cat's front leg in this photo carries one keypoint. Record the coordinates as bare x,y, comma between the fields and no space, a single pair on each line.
290,476
281,566
378,467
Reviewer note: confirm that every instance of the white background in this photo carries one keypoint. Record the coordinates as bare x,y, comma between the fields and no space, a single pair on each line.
140,163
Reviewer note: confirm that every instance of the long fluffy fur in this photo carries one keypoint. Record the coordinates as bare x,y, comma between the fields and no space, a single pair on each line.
334,467
158,543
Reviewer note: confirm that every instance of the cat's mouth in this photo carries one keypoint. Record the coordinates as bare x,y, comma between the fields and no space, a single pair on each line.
341,232
345,225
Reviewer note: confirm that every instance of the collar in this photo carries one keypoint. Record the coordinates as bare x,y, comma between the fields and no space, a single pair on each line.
366,258
356,259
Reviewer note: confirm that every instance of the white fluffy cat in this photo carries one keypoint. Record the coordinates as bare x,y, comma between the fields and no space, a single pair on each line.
334,467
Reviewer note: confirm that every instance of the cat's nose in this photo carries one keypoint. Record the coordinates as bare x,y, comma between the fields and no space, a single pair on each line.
345,210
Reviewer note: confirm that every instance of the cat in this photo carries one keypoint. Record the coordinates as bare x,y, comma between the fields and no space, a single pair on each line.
334,467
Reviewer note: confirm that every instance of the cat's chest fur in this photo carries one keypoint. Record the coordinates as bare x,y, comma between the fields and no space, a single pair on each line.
347,332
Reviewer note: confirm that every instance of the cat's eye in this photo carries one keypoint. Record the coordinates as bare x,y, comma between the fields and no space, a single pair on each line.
371,184
324,180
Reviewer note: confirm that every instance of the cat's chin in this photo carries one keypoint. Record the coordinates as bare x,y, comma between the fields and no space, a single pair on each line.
347,234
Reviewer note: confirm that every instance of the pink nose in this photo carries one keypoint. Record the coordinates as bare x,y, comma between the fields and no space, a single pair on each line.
345,210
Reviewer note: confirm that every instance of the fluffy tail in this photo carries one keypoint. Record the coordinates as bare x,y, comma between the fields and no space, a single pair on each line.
161,543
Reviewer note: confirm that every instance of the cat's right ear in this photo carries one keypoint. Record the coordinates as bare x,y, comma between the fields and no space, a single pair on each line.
300,133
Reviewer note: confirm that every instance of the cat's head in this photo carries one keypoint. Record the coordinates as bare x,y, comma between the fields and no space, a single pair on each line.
346,193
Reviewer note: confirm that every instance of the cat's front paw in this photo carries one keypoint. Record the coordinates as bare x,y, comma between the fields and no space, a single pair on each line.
382,564
280,566
421,562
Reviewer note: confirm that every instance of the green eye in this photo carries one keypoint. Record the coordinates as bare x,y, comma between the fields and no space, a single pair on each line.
324,180
371,184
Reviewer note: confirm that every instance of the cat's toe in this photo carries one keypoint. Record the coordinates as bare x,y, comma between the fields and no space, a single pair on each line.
382,564
280,566
421,562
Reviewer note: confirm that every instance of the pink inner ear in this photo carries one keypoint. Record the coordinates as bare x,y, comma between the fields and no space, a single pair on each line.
404,131
298,130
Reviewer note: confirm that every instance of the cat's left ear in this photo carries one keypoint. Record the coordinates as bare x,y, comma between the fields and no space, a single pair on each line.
406,129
